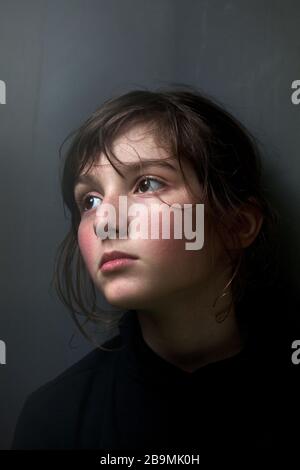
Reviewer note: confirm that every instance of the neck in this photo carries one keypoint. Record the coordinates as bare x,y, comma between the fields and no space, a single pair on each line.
187,334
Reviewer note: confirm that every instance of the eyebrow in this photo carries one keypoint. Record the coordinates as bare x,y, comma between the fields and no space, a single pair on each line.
90,178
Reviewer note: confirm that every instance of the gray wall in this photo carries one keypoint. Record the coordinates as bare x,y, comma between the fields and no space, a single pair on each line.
60,59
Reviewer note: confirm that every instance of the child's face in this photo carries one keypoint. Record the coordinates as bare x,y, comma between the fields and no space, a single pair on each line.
164,268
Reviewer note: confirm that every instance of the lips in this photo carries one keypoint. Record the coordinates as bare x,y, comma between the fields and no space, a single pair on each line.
115,255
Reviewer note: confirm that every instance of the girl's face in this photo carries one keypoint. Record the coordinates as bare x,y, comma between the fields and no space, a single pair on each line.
164,267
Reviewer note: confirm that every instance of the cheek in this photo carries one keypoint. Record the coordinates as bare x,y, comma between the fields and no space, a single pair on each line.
169,258
162,251
174,250
87,246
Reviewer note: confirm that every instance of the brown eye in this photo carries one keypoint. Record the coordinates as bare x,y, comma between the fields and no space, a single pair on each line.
149,183
85,201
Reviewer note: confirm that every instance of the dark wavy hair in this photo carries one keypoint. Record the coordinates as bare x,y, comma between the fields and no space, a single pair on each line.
225,157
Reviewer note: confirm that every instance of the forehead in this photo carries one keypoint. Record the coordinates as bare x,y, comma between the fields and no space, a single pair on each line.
137,143
140,145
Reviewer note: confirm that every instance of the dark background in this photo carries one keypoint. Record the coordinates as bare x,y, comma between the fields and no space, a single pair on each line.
60,60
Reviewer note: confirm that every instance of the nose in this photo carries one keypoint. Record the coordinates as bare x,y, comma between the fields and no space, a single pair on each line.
110,213
105,227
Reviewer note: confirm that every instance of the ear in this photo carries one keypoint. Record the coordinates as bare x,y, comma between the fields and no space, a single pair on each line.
249,223
245,227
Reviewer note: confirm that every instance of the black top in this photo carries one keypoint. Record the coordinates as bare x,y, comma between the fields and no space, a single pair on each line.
133,399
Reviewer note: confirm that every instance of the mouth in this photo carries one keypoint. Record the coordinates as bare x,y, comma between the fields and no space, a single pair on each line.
117,264
116,260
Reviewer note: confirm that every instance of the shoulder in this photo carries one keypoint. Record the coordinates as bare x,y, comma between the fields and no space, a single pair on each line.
79,372
50,415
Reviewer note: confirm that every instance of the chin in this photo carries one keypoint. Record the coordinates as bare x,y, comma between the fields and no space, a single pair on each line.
126,300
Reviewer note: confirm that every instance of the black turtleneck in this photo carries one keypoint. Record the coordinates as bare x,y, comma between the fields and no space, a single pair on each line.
158,405
130,398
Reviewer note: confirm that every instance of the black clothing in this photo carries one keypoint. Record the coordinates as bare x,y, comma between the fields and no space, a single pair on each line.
134,399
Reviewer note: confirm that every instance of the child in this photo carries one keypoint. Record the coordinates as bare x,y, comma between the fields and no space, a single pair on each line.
202,345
